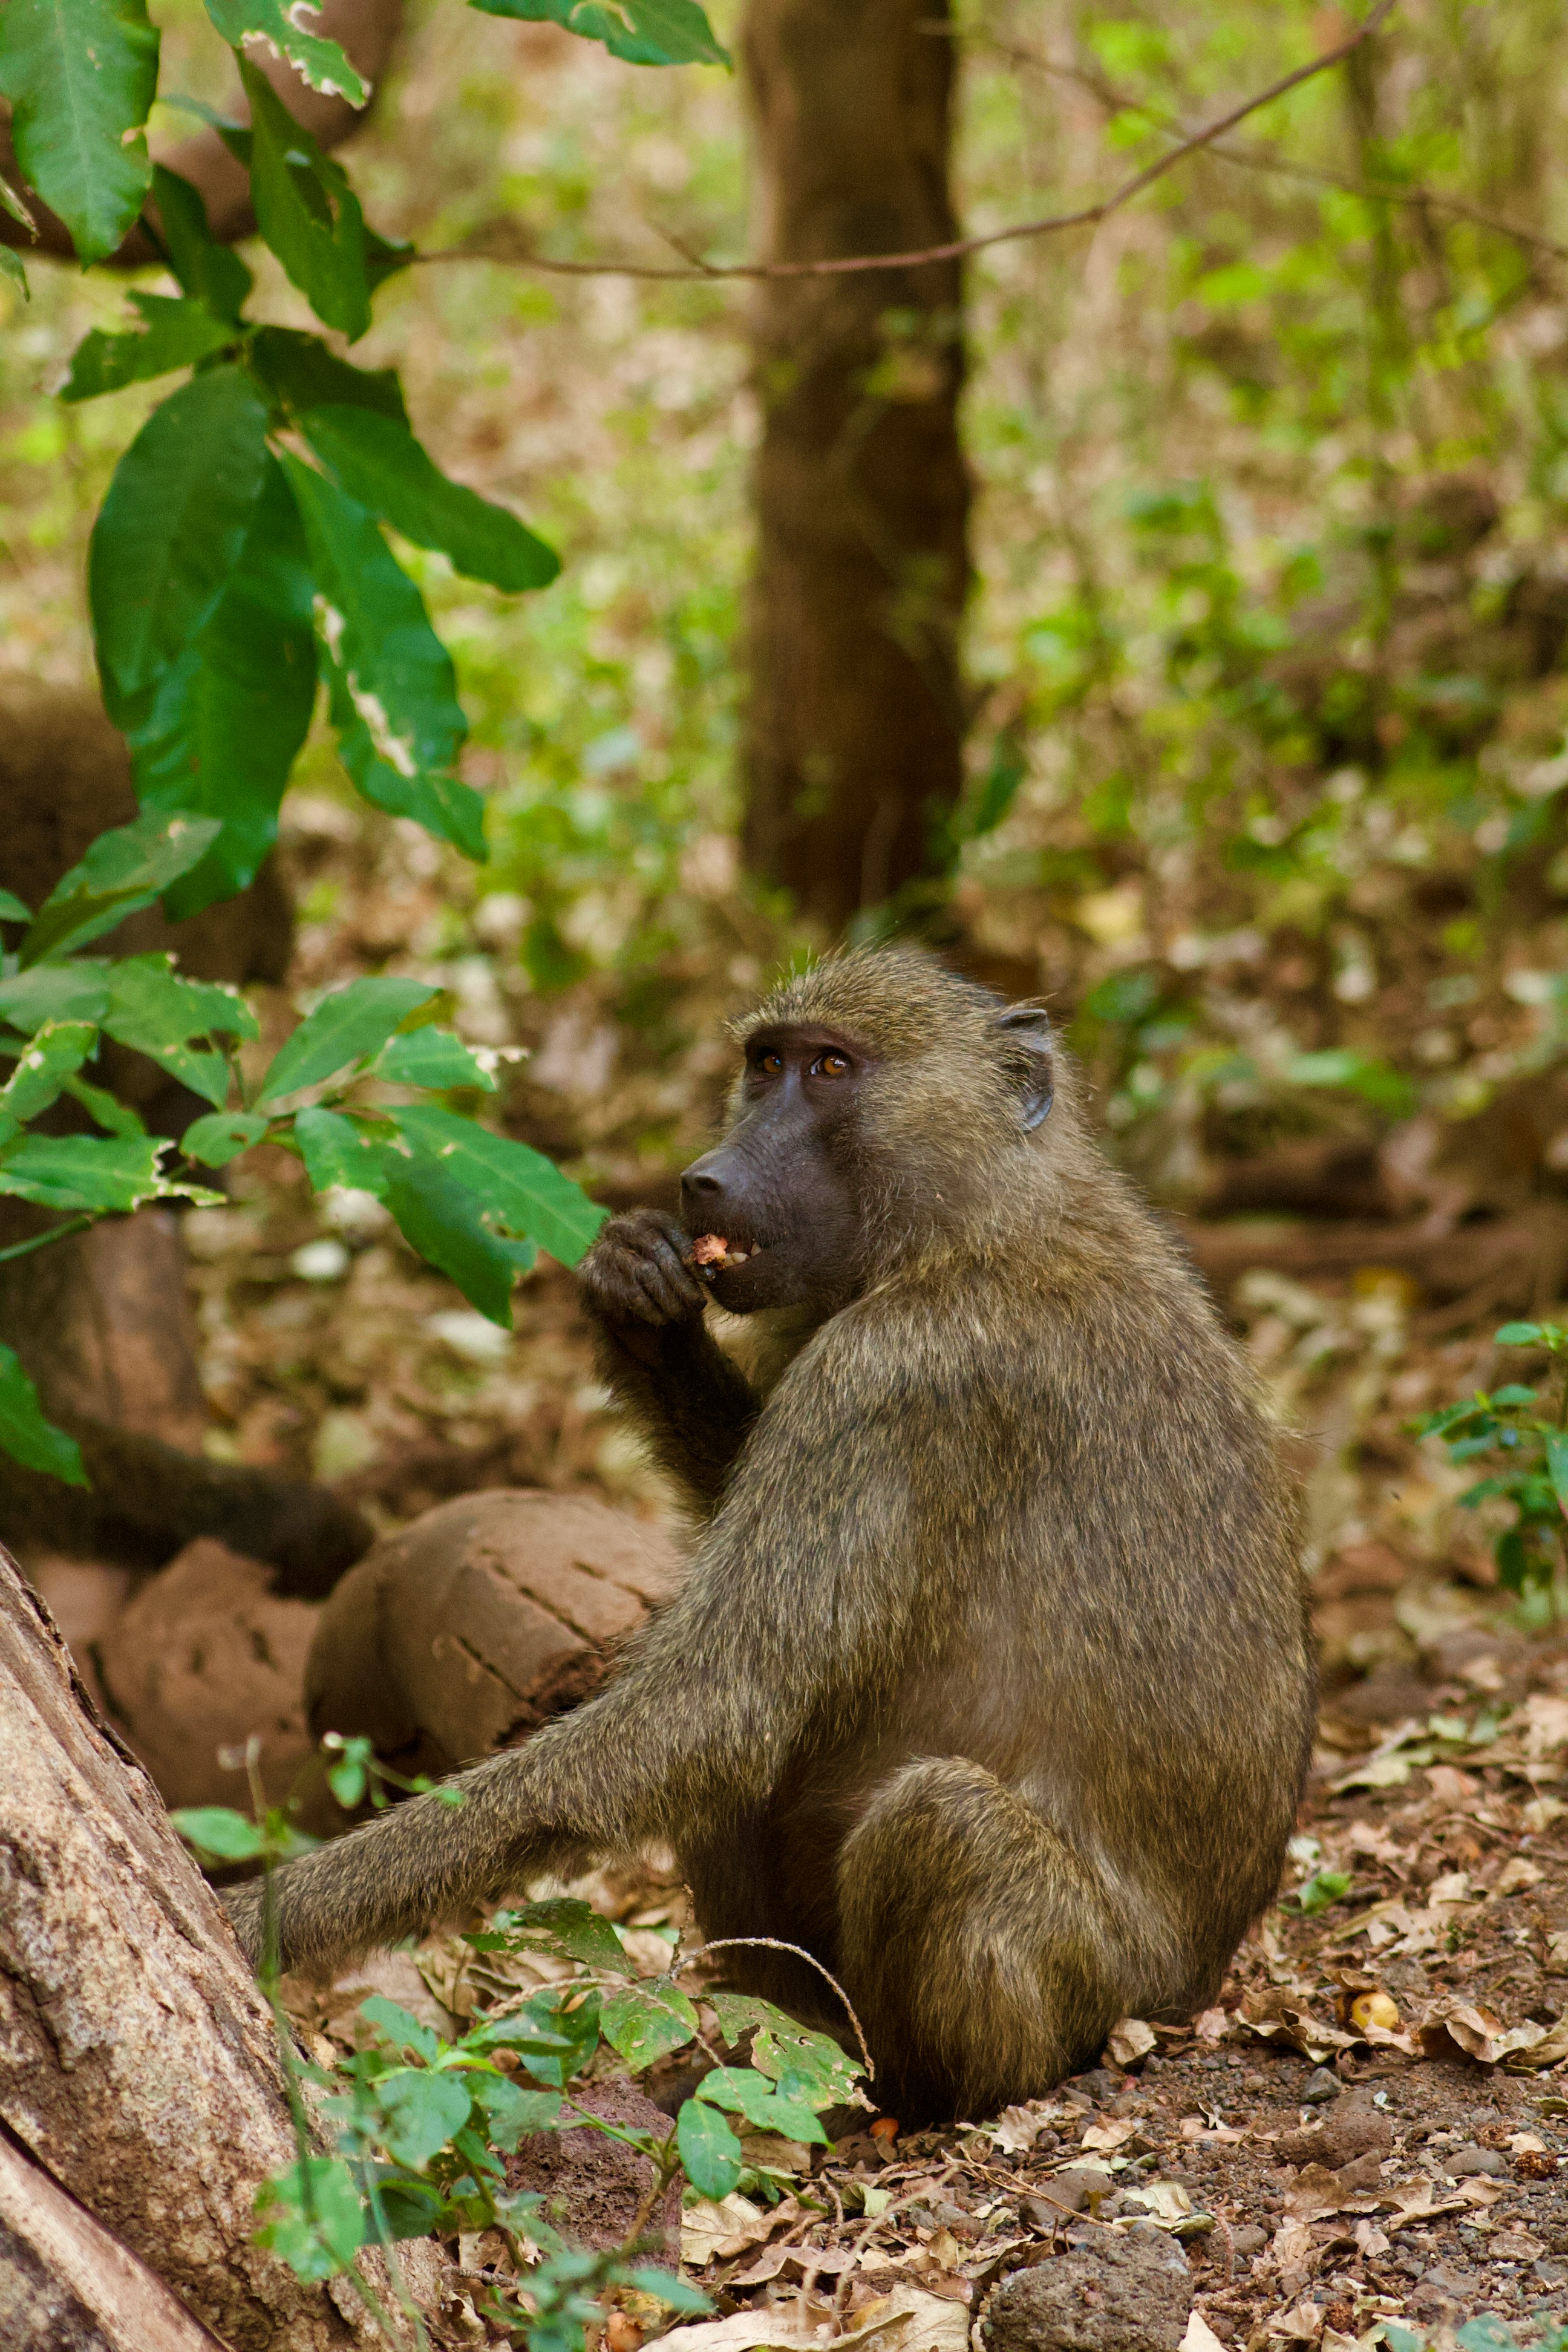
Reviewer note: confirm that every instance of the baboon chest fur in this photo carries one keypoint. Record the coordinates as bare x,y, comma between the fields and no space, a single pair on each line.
989,1683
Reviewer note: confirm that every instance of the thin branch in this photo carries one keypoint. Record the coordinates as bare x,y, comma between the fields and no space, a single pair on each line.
955,249
1416,194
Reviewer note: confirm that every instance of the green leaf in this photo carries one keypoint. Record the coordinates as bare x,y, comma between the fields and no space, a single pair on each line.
302,372
376,460
781,2047
419,2112
553,2041
400,2027
210,273
116,1118
123,871
89,1172
11,267
219,1831
268,24
217,735
12,909
448,1225
222,1136
175,333
1317,1894
526,1194
510,2111
1376,1082
81,76
173,526
337,1149
157,1014
1521,1335
645,2022
393,695
56,992
1556,1460
641,32
746,2092
25,1435
57,1052
566,1928
311,2216
665,2287
708,2149
306,211
347,1026
432,1057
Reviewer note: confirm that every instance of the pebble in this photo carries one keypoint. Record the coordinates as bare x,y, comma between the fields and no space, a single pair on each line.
1128,2292
1320,2085
1465,2162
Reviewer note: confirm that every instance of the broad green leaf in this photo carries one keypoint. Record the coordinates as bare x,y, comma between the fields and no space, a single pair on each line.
641,32
54,991
1556,1459
302,372
393,694
217,735
420,2111
175,333
219,1831
25,1435
381,465
222,1136
11,267
116,1118
450,1229
746,2092
311,2216
1520,1335
81,76
566,1928
210,273
783,2048
431,1058
57,1052
340,1151
1337,1066
152,1009
410,2209
709,2150
306,211
268,24
123,871
400,2027
345,1027
510,2111
553,2041
87,1172
172,527
12,911
525,1192
645,2022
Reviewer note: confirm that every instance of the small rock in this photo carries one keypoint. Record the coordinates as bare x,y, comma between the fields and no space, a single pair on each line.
1128,2292
1466,2161
1319,2087
1249,2239
1352,2129
1065,2191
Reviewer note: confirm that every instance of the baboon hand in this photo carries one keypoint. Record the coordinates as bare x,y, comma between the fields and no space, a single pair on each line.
636,1273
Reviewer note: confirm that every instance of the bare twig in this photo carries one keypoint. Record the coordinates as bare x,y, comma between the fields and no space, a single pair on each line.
955,249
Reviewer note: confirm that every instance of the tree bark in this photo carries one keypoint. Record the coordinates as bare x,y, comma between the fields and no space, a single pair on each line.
855,726
138,2068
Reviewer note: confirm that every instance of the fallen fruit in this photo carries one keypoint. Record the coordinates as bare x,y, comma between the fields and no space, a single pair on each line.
1375,2009
886,2129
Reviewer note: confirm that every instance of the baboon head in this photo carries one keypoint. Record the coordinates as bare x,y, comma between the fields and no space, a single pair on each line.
880,1097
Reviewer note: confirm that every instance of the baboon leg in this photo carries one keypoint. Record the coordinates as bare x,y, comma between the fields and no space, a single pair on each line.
980,1949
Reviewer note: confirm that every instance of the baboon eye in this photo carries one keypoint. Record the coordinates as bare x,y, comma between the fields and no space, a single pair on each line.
830,1066
770,1064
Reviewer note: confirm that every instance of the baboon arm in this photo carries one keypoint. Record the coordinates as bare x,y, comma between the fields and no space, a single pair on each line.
786,1614
689,1400
365,29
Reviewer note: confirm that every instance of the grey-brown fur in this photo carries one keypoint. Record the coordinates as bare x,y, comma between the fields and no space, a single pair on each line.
991,1682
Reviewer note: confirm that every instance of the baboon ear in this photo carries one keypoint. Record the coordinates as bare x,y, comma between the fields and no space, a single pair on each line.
1026,1031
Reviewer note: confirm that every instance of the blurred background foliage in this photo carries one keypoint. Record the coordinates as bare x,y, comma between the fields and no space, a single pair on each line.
1268,750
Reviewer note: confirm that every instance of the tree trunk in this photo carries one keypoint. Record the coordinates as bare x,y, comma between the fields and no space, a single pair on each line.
137,2070
855,727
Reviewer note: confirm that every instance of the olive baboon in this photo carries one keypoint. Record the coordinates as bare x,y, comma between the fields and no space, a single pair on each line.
989,1683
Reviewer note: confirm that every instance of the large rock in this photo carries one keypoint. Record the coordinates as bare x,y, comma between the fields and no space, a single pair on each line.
482,1619
204,1656
1130,2292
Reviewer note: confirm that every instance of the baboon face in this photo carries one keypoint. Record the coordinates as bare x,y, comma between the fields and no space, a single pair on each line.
781,1187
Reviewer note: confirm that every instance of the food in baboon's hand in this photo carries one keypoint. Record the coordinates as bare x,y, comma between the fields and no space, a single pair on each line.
989,1685
712,1252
